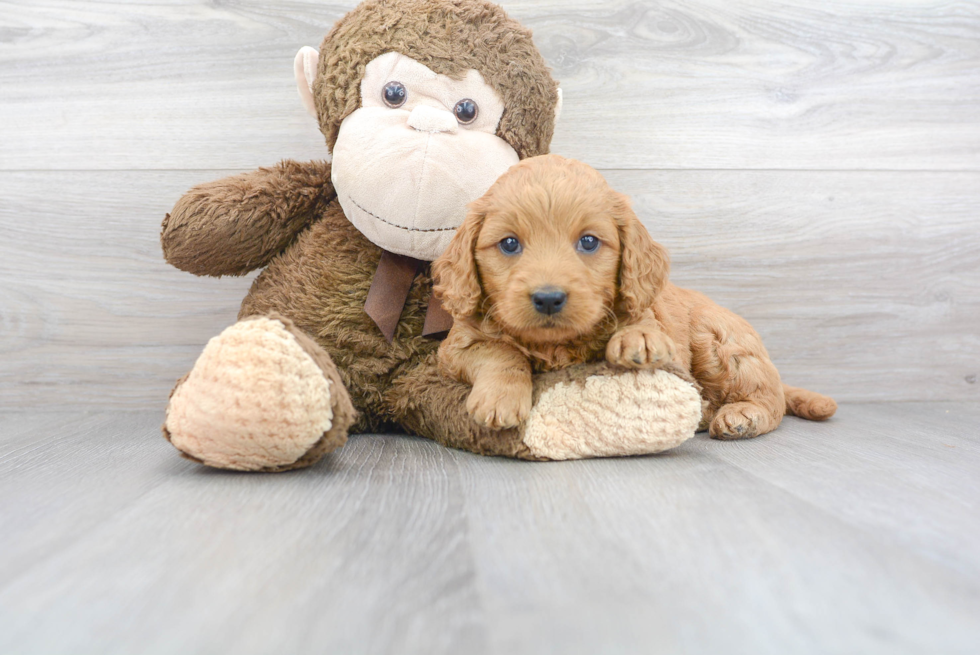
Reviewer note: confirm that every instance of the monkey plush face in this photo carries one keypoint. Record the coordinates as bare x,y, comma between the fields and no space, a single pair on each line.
420,147
424,103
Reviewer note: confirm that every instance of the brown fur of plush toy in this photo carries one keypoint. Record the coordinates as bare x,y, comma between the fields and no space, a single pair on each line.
319,267
235,225
615,303
449,37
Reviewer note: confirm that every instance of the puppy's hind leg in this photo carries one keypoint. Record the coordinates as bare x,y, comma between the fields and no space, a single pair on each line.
738,379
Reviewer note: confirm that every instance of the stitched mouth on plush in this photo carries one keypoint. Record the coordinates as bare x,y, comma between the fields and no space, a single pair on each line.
400,227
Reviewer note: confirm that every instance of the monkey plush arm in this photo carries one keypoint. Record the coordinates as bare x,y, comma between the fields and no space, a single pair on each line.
239,223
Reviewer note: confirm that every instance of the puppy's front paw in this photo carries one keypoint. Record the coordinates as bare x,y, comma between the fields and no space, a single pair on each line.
639,347
498,405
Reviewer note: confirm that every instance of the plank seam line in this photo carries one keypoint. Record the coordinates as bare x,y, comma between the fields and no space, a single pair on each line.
600,168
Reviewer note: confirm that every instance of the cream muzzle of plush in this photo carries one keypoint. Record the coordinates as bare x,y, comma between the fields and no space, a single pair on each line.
404,159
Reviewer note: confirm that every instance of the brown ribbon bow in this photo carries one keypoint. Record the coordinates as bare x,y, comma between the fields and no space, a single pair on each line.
389,291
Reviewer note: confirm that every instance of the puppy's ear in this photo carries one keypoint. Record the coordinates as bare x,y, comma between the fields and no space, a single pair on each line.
644,264
457,282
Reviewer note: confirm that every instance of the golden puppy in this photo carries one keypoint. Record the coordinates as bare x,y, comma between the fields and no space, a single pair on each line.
551,268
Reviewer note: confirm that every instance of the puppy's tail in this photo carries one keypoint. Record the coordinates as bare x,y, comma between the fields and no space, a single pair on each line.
808,404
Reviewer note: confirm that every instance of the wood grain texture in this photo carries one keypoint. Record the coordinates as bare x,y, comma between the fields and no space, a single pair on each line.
700,84
358,555
849,536
84,287
770,546
863,285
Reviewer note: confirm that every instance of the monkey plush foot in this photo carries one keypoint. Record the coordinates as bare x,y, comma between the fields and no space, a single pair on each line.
261,397
599,412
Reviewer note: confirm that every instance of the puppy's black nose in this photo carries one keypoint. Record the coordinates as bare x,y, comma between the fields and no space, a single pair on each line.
549,300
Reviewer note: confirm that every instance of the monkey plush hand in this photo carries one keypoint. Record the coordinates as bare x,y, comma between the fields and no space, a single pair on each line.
423,103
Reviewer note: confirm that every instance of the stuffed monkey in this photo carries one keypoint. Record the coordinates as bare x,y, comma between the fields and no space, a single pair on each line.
423,103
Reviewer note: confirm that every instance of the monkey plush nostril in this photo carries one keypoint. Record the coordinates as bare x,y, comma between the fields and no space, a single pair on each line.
549,300
429,119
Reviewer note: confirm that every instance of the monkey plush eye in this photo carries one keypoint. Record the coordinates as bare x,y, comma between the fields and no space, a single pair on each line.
509,246
394,94
588,243
466,111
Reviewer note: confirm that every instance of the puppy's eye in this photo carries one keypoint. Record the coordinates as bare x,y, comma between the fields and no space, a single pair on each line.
509,246
588,243
394,94
466,111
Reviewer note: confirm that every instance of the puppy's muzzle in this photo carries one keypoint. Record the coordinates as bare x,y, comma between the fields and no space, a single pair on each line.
549,300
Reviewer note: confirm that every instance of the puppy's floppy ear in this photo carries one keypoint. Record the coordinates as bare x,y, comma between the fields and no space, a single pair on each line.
457,282
644,264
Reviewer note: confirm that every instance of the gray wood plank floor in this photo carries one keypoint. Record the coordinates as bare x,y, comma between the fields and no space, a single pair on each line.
854,536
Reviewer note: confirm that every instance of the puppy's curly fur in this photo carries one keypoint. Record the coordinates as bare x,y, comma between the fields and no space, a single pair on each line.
552,268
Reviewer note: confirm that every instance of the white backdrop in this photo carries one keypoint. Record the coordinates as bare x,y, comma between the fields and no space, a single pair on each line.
812,166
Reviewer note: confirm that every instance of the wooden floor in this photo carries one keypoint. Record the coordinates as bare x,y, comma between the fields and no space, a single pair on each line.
854,536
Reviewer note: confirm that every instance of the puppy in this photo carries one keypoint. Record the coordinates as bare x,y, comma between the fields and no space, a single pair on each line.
552,268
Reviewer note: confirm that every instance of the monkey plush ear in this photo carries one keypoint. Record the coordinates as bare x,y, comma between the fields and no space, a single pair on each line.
304,67
558,106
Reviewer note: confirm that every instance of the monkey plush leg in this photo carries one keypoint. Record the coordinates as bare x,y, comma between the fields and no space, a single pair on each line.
600,411
579,412
262,397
